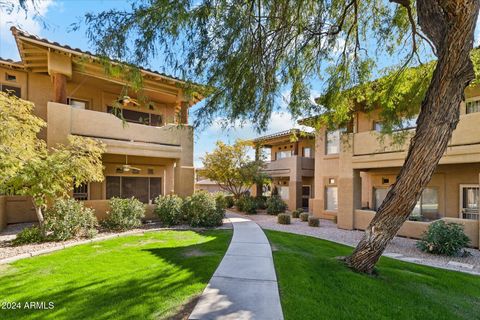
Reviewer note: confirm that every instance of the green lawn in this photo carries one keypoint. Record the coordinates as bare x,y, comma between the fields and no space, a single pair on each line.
148,276
315,285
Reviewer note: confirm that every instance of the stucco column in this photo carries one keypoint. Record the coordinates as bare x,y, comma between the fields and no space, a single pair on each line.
184,170
169,185
349,185
59,88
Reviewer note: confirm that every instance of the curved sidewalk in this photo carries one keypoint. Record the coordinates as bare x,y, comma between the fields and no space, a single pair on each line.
244,286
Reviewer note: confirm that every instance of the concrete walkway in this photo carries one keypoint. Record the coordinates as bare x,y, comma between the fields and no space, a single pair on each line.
244,286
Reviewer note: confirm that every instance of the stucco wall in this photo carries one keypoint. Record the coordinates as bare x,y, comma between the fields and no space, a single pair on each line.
3,213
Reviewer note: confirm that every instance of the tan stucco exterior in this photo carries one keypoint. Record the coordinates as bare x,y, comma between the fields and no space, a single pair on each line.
366,161
49,75
295,171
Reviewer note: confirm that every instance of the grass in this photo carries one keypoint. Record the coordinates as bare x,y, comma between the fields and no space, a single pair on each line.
150,276
314,284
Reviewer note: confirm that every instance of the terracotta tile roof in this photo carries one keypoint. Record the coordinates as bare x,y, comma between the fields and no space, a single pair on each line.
285,133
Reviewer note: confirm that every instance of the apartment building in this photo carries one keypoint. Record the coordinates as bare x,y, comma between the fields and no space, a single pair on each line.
290,164
354,168
149,143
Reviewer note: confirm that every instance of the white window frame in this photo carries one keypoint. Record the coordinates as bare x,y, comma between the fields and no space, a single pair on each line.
460,196
471,100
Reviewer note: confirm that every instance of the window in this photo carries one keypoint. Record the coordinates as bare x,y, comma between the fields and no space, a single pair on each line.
145,118
80,192
331,195
16,91
307,152
333,142
469,201
10,77
142,188
427,205
379,195
284,154
78,104
283,192
473,106
377,126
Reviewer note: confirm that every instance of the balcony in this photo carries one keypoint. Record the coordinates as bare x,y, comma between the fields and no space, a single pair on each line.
370,151
120,137
291,166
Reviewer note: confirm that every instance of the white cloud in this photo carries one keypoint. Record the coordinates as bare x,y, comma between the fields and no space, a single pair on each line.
30,21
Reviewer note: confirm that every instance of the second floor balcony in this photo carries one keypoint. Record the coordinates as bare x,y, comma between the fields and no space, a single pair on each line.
168,141
290,165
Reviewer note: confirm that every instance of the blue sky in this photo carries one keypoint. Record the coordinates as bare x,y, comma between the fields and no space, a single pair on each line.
58,15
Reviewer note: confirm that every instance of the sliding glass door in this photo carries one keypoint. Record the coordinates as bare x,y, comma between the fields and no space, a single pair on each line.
145,189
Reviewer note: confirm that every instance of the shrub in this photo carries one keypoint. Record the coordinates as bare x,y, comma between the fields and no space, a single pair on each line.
124,214
69,218
169,210
261,202
221,201
444,238
296,213
247,204
229,201
304,216
313,222
202,210
283,218
28,235
275,205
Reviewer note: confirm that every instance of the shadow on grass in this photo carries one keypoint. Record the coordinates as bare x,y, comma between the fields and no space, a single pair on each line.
161,284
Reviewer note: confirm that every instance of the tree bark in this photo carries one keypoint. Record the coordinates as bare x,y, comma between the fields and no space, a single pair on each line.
449,24
41,220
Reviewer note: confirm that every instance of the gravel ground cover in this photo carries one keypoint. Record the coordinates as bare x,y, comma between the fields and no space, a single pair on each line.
400,248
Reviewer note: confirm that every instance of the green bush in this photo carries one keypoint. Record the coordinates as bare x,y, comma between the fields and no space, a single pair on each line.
304,216
28,235
296,213
444,238
169,210
247,204
275,205
261,202
220,200
229,201
124,214
68,218
202,210
283,218
313,222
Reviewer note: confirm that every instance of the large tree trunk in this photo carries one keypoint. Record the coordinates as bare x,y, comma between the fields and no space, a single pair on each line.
449,24
41,220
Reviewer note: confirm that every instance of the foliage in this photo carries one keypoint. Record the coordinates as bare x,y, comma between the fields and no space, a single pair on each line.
165,269
28,235
261,202
231,168
283,218
202,210
68,218
313,222
275,205
124,214
247,53
169,210
28,167
229,202
220,200
304,216
444,238
247,204
296,213
300,260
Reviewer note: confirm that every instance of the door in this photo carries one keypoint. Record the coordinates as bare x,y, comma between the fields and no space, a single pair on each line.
306,192
469,201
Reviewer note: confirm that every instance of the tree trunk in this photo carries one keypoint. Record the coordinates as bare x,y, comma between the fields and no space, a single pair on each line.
450,26
41,220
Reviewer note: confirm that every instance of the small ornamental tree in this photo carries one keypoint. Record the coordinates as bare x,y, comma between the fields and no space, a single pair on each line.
34,170
232,169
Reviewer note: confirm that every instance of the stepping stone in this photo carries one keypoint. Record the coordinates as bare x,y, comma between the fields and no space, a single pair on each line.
461,265
393,255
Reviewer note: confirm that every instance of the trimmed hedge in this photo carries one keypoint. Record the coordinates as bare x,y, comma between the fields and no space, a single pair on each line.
313,222
169,210
203,210
304,216
283,218
124,214
247,204
296,213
